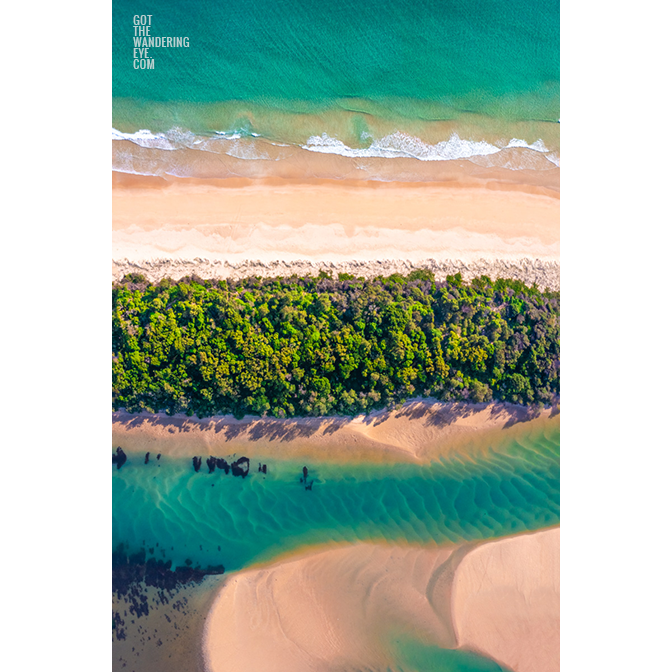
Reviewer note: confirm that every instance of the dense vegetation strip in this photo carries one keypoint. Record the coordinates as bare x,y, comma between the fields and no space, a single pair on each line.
320,346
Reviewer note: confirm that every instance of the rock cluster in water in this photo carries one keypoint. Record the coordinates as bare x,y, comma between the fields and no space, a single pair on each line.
119,457
240,467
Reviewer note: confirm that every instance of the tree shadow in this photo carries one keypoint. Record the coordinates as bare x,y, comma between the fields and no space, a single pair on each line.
256,429
434,413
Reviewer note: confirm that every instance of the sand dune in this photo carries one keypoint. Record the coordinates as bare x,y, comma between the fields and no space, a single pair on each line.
338,609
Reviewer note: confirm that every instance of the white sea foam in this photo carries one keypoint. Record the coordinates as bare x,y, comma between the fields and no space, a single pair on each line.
235,135
400,144
247,151
537,146
240,144
223,142
175,138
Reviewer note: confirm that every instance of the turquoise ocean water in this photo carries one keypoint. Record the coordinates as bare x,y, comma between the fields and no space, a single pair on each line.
382,78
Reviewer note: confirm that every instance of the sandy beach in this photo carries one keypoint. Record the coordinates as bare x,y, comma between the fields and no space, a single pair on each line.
335,609
419,432
239,219
506,601
329,610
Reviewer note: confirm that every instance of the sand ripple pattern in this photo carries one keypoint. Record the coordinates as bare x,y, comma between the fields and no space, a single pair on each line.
213,519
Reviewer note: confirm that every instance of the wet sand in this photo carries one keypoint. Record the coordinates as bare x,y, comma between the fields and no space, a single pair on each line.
167,638
417,432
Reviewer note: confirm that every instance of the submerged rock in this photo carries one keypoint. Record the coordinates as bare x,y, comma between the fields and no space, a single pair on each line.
222,464
212,463
146,458
241,467
119,458
196,461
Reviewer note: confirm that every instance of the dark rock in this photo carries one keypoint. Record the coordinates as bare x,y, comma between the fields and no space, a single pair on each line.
241,467
158,457
263,468
212,463
196,462
146,458
120,458
222,464
305,472
214,569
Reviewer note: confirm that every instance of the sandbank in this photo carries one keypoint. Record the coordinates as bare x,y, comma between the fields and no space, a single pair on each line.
329,610
417,432
506,601
337,609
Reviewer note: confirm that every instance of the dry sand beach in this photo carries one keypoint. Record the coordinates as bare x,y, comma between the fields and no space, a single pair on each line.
418,431
335,609
235,220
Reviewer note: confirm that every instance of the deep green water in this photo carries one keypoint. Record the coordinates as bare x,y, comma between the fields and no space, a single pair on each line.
215,519
411,59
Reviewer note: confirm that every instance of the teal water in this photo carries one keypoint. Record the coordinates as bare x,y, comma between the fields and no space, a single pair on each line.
214,519
411,59
414,656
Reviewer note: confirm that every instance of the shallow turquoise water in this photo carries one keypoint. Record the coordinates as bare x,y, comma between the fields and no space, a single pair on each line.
214,519
411,58
413,656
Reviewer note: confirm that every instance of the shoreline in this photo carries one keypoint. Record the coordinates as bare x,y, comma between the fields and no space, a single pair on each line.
307,619
255,158
418,432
